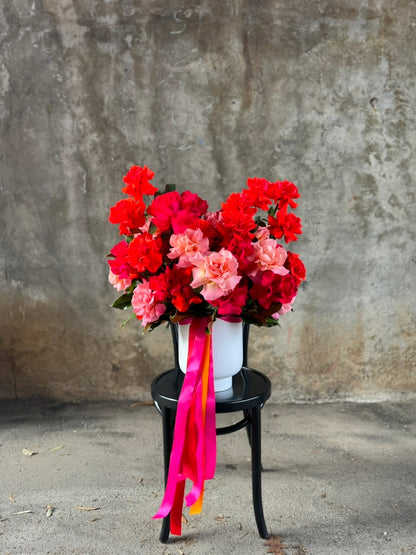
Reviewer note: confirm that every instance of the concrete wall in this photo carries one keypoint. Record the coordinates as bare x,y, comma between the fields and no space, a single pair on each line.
208,93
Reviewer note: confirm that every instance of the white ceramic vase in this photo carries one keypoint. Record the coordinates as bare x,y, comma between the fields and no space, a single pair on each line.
227,351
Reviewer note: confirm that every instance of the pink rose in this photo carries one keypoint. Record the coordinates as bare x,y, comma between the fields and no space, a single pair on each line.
217,273
188,246
268,255
144,304
118,282
262,233
287,307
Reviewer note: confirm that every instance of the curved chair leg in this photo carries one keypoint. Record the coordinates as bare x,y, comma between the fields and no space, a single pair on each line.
249,434
255,424
167,423
248,428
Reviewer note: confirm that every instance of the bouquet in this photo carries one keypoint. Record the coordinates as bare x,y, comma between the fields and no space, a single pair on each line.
177,259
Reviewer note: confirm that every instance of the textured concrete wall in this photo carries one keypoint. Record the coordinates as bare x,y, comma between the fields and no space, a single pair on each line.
208,93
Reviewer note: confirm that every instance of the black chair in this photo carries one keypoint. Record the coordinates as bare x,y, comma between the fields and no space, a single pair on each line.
251,389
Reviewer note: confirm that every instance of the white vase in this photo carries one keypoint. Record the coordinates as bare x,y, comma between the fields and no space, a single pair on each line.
227,351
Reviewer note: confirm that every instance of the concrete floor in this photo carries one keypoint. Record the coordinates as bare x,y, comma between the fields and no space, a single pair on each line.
339,479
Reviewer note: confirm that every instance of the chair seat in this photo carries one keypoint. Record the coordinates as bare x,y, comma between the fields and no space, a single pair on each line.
250,388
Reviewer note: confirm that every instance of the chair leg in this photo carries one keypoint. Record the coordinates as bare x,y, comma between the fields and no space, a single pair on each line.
249,435
255,424
167,423
248,427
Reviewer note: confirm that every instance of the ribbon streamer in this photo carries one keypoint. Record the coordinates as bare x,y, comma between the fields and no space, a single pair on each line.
193,453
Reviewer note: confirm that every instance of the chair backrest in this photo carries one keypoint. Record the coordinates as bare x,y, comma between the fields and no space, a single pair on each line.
174,331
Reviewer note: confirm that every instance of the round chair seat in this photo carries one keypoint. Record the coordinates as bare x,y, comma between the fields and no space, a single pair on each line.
250,388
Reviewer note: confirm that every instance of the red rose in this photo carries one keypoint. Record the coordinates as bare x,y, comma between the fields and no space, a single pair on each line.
242,248
295,266
257,193
285,224
232,304
129,214
179,212
163,208
270,288
120,265
145,253
182,293
284,288
137,181
288,191
237,215
160,286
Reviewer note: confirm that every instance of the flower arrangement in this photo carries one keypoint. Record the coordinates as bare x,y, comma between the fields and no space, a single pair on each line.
177,259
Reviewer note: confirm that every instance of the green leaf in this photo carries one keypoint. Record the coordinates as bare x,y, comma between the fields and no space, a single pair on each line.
128,320
123,302
168,189
152,228
260,221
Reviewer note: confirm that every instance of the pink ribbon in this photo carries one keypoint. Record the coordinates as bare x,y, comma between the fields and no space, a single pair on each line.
193,453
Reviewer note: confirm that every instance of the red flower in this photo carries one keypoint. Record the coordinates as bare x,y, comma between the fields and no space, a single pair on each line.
120,265
257,193
163,209
270,288
160,285
285,288
285,224
237,215
129,213
243,249
295,266
182,293
145,253
232,304
192,208
284,192
288,191
137,181
172,210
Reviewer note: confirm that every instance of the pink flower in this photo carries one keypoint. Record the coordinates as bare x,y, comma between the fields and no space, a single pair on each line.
217,273
144,304
188,246
268,255
262,233
119,283
287,307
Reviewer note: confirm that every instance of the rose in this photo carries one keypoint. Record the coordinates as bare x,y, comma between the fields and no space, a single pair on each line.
144,304
145,252
233,303
287,307
119,283
188,246
137,182
296,267
172,210
285,224
268,255
129,214
217,273
183,296
120,265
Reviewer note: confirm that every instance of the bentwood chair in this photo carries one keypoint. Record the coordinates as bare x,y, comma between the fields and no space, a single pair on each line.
249,392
